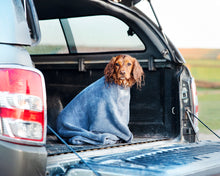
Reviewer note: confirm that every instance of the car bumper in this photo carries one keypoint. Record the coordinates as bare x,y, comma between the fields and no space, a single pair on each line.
21,160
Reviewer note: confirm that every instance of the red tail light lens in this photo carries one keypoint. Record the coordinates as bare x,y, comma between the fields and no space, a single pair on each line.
22,106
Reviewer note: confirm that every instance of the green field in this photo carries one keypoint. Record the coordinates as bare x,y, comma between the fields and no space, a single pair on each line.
47,49
209,108
206,74
205,70
209,99
203,62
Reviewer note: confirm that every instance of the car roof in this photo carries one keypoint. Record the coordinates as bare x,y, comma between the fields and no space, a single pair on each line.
50,9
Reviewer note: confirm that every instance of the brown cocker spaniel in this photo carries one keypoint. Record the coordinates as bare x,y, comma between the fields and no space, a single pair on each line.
100,114
124,70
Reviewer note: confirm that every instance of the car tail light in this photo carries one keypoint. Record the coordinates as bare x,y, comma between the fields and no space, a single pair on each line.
22,106
195,109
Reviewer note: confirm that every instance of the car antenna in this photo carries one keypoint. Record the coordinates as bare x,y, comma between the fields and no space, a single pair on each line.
155,15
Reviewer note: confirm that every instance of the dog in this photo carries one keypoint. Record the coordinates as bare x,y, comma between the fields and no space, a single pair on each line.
99,114
125,71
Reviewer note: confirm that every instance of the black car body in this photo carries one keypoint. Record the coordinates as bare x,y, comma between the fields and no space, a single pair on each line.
78,38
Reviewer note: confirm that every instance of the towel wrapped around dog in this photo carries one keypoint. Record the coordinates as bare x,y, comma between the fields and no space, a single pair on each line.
97,115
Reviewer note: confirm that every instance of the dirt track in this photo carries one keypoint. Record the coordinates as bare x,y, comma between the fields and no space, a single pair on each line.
209,136
206,84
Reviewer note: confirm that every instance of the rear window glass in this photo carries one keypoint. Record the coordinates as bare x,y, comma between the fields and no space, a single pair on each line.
103,34
52,39
93,34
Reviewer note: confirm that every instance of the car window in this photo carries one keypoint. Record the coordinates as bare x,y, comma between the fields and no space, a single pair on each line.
52,39
92,34
103,34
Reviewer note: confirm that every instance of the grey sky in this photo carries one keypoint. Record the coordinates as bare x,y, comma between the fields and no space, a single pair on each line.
190,23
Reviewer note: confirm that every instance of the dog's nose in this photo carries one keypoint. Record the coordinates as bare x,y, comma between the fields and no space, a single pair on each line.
122,72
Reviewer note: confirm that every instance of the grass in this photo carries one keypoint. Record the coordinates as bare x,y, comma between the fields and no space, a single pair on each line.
206,74
205,70
209,112
47,49
209,99
203,62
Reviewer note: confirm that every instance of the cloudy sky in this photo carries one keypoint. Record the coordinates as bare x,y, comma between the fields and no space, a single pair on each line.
190,23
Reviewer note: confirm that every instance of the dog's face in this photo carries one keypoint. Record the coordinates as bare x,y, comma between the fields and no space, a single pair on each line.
123,67
124,70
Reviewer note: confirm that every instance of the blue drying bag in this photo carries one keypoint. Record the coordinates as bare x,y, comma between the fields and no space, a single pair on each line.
98,115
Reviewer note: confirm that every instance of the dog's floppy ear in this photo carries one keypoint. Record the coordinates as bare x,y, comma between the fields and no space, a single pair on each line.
109,71
138,73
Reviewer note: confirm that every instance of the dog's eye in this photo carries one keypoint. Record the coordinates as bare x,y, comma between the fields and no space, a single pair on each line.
117,64
128,64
